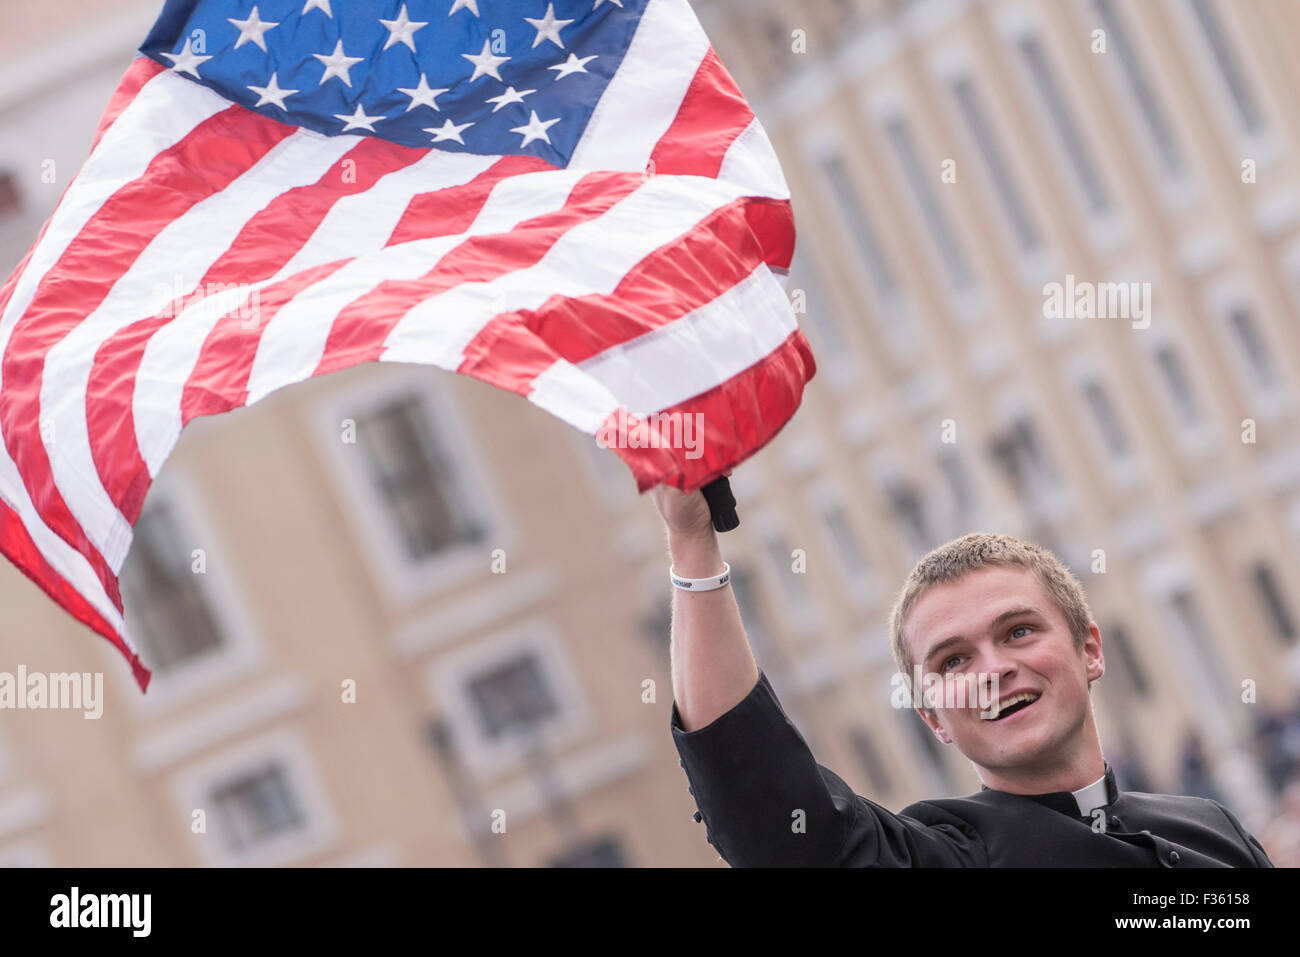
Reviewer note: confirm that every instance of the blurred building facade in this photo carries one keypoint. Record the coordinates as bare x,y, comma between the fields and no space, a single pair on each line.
490,587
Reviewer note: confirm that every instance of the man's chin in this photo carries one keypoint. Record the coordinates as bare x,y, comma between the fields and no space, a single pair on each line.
1021,754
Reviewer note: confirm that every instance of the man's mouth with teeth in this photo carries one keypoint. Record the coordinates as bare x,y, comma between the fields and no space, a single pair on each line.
1009,706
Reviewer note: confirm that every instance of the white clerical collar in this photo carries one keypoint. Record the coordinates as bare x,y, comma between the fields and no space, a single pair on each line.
1092,796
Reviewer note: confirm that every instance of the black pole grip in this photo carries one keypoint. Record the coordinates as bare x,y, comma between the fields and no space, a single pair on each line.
722,504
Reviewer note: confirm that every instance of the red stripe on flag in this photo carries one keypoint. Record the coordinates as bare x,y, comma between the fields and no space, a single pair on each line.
266,243
678,278
712,115
219,381
218,151
360,331
19,548
446,212
740,416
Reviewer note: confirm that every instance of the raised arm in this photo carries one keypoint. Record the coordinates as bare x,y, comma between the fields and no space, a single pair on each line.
712,665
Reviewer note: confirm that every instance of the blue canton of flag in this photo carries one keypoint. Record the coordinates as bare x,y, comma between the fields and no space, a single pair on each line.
491,77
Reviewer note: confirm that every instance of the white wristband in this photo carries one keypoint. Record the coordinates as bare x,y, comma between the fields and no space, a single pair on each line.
700,584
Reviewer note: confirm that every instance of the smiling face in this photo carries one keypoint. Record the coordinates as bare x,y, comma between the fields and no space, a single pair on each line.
998,620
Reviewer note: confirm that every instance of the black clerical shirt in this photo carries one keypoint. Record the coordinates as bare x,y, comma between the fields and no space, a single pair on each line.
765,801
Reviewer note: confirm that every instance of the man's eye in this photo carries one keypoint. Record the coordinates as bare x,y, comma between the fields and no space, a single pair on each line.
947,663
1018,627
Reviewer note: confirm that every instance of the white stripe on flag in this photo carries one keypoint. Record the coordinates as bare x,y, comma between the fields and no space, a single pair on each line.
363,221
683,359
179,256
751,162
593,257
569,393
165,110
645,95
357,224
295,339
700,350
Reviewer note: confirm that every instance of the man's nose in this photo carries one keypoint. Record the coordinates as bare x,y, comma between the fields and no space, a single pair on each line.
1000,664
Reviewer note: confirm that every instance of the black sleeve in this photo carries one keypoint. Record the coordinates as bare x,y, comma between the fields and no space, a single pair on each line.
766,802
1256,849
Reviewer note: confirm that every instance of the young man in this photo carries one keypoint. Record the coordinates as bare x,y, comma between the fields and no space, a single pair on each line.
1003,613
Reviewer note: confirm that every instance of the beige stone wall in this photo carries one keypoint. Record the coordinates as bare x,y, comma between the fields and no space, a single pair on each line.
585,560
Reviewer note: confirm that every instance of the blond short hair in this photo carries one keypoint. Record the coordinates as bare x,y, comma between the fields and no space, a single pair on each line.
976,550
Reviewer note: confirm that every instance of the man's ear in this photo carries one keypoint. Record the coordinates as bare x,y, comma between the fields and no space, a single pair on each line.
932,720
1094,661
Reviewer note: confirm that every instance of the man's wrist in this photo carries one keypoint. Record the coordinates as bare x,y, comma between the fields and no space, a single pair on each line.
695,553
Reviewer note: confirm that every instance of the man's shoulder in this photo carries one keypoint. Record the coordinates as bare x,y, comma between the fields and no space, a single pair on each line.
945,810
1187,806
972,807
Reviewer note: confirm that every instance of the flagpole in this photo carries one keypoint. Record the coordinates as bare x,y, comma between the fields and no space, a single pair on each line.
722,504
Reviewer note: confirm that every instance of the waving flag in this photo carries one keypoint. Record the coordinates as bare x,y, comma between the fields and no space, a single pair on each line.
570,200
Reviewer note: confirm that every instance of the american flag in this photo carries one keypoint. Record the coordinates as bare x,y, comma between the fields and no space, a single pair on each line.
570,200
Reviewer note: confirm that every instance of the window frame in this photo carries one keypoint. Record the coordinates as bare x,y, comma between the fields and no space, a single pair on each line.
1015,22
893,316
243,647
1263,147
321,832
399,579
1179,191
446,680
1221,300
956,63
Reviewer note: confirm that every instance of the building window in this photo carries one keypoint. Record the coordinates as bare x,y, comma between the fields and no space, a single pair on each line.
599,852
847,547
168,613
10,200
1130,672
1157,125
1251,343
416,481
864,236
954,261
825,327
1230,68
1024,462
1193,627
1270,594
512,695
1176,380
981,132
779,41
954,473
909,511
781,560
1026,436
868,756
265,802
923,740
256,807
1103,413
751,613
1072,142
